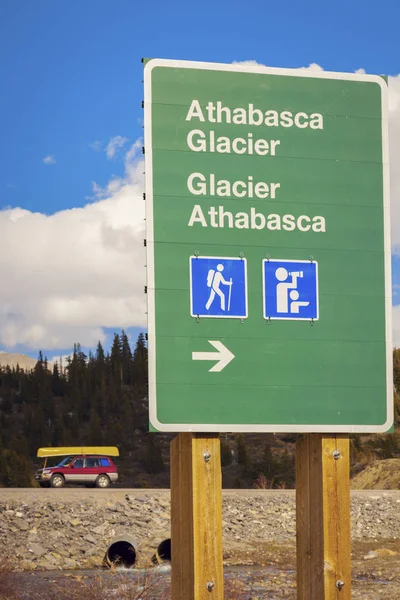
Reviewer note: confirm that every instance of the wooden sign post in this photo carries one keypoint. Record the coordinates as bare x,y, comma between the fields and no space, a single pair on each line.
196,517
323,517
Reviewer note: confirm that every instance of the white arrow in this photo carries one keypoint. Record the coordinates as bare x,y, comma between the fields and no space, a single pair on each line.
223,356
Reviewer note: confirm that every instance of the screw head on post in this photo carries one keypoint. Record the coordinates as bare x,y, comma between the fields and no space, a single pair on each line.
336,454
339,584
206,456
210,585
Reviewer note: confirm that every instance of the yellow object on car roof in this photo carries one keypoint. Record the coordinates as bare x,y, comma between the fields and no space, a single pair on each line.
66,450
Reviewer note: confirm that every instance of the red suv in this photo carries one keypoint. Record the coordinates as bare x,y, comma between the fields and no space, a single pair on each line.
78,469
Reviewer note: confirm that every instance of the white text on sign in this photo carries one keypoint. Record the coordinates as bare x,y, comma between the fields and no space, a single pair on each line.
208,185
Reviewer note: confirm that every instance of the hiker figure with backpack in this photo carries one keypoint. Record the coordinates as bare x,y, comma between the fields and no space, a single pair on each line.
214,280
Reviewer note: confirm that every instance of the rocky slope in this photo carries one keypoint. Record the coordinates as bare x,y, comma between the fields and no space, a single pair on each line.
52,531
380,475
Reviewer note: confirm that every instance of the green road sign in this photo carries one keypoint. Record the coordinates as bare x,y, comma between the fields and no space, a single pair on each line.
268,250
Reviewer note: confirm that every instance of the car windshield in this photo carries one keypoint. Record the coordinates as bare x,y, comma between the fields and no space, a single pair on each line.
65,462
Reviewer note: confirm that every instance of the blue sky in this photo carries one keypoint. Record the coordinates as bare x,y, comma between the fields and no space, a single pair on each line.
72,71
71,78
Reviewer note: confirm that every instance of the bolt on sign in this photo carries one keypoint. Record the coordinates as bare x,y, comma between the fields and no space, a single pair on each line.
268,250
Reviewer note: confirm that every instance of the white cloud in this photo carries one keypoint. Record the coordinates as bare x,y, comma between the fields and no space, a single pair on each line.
115,144
254,63
61,360
74,272
49,160
311,67
96,145
248,63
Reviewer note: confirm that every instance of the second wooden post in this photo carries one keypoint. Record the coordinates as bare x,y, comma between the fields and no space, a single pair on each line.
323,517
196,517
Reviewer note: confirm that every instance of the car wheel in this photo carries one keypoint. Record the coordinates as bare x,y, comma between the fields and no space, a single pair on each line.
103,481
57,481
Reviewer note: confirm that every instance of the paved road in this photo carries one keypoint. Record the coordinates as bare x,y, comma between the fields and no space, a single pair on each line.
118,494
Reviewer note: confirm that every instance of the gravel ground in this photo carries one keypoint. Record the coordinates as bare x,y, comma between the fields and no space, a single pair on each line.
259,535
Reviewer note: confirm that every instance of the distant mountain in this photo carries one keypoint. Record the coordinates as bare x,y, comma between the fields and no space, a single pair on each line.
12,360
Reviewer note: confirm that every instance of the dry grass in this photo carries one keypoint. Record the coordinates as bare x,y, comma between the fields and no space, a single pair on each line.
151,585
262,483
148,586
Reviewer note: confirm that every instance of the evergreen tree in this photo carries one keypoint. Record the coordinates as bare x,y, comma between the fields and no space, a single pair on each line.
269,463
57,382
15,470
95,434
127,360
140,365
77,382
226,454
396,369
116,360
153,459
241,452
60,433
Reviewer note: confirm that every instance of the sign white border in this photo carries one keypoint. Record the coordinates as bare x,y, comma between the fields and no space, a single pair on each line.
298,428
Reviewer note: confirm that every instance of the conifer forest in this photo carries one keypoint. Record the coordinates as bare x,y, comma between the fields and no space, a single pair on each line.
101,399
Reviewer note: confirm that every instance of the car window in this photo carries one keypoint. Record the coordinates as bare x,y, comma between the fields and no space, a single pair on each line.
78,464
91,463
104,462
65,462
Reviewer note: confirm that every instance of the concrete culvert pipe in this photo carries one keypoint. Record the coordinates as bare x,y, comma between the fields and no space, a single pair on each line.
163,552
121,552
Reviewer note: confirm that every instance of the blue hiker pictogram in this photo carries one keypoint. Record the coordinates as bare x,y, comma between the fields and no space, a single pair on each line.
290,289
218,287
